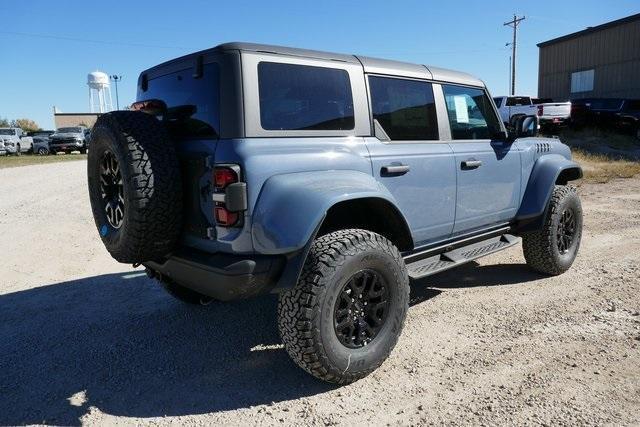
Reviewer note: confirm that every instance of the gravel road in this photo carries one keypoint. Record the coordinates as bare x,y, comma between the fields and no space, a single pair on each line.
85,340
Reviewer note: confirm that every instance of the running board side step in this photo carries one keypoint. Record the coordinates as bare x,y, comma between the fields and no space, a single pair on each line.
446,260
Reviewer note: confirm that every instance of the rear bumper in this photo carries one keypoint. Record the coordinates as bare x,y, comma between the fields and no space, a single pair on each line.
554,121
221,276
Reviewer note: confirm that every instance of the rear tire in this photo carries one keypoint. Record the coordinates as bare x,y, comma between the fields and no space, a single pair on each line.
315,316
134,186
552,249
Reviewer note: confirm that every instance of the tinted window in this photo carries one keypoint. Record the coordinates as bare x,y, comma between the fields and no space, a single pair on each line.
404,108
300,97
471,115
633,105
192,104
497,101
513,101
606,104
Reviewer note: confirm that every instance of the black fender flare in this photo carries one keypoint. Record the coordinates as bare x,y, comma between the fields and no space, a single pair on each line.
548,171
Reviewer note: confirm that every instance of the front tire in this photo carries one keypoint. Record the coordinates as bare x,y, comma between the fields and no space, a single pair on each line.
552,249
345,314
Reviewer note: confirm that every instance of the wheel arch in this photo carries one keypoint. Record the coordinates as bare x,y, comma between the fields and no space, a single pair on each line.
369,213
547,172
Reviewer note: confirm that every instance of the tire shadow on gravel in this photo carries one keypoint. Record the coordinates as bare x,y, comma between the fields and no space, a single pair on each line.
119,343
471,275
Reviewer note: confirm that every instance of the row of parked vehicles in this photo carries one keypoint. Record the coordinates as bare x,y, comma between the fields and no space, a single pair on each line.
43,142
613,114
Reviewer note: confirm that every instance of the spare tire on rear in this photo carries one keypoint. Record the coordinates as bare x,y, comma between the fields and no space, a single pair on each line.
134,186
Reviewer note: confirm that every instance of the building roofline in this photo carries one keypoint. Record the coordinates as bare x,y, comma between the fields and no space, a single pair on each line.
590,30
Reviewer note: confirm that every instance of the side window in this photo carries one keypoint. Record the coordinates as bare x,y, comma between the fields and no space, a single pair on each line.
471,115
497,101
302,97
404,108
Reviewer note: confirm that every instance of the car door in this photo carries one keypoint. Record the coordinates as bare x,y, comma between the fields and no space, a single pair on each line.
488,169
408,158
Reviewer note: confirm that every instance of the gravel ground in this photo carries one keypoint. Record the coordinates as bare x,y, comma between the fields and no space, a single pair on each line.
85,340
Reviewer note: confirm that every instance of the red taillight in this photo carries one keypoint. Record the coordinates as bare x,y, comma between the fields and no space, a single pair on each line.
540,109
223,176
224,217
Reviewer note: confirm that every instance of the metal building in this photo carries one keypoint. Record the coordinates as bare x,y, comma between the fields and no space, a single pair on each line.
602,62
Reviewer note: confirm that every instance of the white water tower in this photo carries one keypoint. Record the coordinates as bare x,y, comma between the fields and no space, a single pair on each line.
99,92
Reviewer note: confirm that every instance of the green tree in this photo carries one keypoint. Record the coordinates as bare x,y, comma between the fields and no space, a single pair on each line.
4,123
26,125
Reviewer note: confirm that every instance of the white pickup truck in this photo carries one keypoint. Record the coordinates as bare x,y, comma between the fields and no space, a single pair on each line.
14,141
549,113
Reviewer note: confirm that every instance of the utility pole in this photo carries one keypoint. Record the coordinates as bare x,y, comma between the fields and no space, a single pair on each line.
514,24
116,79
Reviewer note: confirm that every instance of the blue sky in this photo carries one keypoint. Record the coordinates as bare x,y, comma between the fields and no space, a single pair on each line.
48,47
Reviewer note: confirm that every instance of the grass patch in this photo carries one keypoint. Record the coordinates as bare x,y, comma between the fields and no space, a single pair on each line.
603,167
29,159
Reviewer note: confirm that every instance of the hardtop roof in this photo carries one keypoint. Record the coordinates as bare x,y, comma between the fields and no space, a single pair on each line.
370,65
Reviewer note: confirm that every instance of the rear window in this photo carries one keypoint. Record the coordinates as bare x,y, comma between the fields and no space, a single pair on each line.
193,104
301,97
514,101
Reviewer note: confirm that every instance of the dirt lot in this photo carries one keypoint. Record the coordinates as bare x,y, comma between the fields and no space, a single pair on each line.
86,340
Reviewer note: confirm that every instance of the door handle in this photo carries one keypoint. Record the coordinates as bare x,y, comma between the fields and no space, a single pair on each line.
471,164
394,170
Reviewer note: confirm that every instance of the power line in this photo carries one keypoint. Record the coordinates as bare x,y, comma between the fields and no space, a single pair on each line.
514,24
82,40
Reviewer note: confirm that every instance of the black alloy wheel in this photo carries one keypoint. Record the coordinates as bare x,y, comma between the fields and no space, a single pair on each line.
112,189
361,309
566,230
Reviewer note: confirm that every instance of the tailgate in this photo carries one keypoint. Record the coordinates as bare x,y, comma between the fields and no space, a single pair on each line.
556,110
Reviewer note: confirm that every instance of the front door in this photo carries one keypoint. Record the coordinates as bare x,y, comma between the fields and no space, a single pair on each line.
488,170
407,157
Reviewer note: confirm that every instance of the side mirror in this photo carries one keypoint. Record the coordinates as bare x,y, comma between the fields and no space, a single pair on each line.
522,126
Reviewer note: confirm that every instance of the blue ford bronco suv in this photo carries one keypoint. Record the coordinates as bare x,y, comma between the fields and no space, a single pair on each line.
329,179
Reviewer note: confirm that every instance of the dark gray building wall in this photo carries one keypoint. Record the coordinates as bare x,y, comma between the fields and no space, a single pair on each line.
612,50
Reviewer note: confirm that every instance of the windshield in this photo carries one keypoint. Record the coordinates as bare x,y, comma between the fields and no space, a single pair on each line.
70,130
7,132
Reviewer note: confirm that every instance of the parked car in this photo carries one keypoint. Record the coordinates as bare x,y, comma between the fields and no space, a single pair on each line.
621,115
329,179
551,114
16,141
3,150
68,139
509,106
40,141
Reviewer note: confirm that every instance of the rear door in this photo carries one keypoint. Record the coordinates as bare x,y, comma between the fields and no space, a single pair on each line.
409,159
488,170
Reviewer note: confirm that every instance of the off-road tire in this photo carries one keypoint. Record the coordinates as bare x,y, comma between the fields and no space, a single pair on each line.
306,311
152,187
540,247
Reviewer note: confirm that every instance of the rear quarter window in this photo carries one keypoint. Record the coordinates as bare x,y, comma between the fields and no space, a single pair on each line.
193,104
302,97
